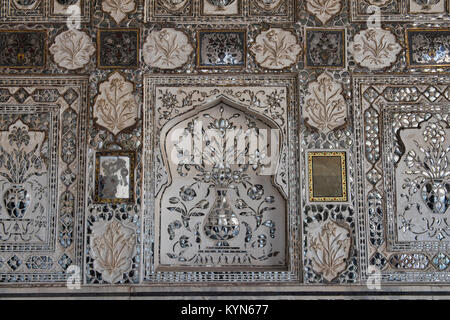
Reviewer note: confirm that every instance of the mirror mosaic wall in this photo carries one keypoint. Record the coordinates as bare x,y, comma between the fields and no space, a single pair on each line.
291,143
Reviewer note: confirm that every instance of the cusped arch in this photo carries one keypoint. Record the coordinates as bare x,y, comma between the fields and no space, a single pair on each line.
255,232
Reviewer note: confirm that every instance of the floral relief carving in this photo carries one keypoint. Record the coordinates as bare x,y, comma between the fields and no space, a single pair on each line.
222,205
329,249
72,49
375,48
112,250
270,101
23,189
167,49
118,9
426,183
115,107
325,107
323,10
276,49
174,5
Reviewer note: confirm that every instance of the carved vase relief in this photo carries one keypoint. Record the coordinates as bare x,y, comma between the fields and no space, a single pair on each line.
424,182
23,182
227,212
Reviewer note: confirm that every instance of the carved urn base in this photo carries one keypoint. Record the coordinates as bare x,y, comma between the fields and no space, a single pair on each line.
221,223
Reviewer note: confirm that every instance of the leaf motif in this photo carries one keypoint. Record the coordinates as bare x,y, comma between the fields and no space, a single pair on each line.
202,204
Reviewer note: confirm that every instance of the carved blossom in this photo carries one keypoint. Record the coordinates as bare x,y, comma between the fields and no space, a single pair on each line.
112,250
72,49
329,249
276,49
325,106
268,5
118,9
323,10
115,107
167,49
375,48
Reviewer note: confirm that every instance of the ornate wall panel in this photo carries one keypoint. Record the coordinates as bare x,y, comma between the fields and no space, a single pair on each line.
23,11
43,134
435,11
220,11
347,188
403,127
192,196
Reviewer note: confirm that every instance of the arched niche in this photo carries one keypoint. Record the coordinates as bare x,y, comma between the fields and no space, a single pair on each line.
217,210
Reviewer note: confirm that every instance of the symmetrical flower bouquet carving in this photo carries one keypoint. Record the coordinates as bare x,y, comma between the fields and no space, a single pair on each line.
20,168
72,49
167,49
276,49
375,48
428,175
329,249
218,171
112,250
325,108
115,107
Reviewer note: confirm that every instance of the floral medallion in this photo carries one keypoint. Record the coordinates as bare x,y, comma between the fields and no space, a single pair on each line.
325,107
167,49
324,10
115,106
72,49
375,49
276,49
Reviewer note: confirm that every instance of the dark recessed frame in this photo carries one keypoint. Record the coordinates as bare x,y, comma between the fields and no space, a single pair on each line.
326,51
28,52
430,46
235,56
108,41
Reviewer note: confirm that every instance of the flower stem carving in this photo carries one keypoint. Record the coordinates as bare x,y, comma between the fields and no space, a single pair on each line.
325,106
113,250
116,107
329,250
